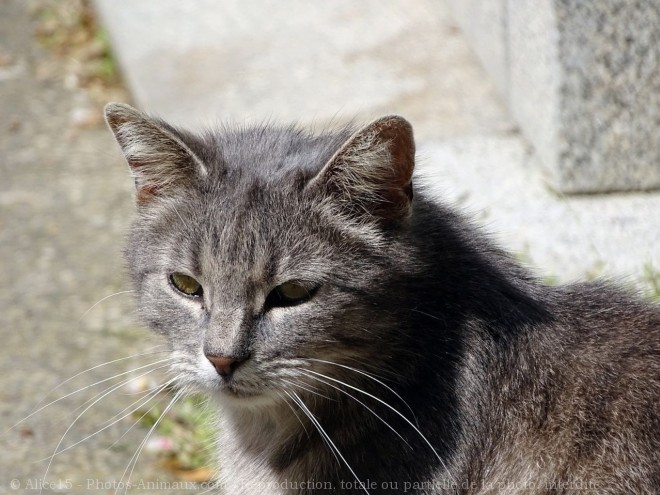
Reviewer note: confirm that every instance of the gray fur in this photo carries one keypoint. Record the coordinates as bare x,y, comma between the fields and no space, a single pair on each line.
517,387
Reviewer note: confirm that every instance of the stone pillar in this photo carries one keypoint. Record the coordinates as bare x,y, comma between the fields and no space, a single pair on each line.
582,79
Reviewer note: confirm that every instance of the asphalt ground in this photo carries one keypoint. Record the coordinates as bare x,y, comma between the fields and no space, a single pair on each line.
65,203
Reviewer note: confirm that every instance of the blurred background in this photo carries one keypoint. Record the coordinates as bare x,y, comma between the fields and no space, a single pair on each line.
538,118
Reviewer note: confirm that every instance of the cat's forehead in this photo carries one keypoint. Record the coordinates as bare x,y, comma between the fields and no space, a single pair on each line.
269,152
249,232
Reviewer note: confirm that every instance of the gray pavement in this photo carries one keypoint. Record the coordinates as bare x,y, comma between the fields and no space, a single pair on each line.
65,200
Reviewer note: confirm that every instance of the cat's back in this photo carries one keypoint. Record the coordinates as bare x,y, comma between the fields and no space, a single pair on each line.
608,334
581,399
611,377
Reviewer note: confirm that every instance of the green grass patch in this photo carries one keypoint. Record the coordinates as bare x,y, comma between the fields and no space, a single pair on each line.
185,434
651,279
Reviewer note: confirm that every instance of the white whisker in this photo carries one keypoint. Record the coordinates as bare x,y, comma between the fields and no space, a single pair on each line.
393,409
133,409
137,421
370,376
295,414
116,387
80,389
104,299
303,387
384,372
136,456
149,352
365,406
322,431
322,434
112,389
149,393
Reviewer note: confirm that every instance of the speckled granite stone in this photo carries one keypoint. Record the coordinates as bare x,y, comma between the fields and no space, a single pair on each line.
583,83
609,109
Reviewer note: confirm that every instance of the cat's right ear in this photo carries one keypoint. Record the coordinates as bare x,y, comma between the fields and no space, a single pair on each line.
370,176
159,159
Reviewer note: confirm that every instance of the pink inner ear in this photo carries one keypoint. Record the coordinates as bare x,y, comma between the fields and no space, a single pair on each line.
145,191
393,187
402,150
145,194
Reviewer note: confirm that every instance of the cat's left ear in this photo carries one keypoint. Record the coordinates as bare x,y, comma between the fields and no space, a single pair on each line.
158,157
371,174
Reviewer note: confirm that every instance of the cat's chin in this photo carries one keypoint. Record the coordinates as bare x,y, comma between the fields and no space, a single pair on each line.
237,398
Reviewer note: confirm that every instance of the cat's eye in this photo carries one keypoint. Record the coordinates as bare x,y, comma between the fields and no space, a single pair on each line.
289,294
187,285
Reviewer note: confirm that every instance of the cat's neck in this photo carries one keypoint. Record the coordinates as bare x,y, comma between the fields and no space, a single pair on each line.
335,437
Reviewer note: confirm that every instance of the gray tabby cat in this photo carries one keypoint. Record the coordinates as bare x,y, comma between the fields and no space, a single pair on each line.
360,338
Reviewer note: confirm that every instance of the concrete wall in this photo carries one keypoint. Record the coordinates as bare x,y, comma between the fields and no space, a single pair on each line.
484,23
316,63
582,79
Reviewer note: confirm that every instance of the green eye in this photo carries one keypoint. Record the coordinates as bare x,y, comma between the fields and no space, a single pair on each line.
186,285
289,294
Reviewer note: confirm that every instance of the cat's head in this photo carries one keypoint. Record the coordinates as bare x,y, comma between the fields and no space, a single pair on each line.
264,253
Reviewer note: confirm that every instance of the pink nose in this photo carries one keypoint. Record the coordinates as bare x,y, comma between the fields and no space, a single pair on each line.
225,366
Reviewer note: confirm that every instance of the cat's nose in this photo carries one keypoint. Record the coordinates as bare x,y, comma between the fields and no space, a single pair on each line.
225,366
